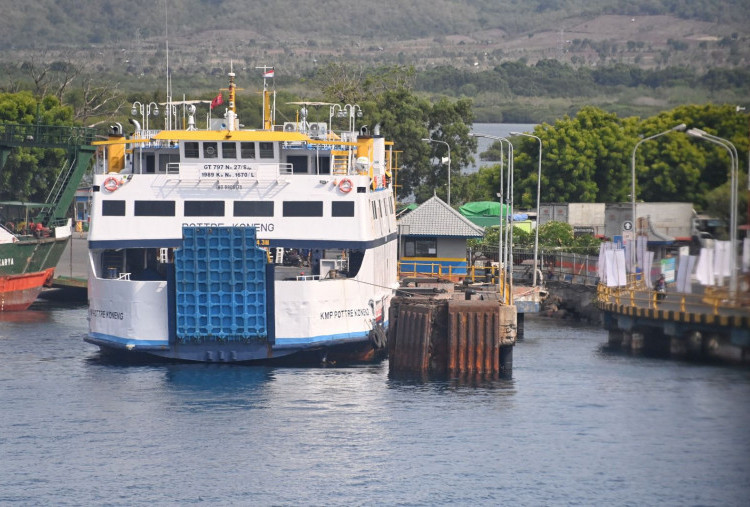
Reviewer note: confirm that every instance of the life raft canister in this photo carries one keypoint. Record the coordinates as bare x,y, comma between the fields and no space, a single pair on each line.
346,185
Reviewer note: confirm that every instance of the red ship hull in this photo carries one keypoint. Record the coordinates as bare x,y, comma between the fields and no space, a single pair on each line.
17,292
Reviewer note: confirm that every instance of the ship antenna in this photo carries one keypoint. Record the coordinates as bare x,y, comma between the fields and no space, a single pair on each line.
231,87
269,114
168,109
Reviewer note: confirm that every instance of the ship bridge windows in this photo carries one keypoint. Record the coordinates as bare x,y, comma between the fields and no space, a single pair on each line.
247,150
210,149
266,150
204,209
229,150
191,149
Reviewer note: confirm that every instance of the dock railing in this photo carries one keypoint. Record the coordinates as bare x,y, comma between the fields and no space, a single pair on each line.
553,266
705,300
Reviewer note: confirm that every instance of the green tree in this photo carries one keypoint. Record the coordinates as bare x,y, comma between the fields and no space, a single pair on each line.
29,173
407,119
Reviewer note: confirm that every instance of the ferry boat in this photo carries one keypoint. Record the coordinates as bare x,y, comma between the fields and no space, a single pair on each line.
189,229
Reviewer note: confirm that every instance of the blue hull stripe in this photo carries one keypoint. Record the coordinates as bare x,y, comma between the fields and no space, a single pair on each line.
291,243
281,343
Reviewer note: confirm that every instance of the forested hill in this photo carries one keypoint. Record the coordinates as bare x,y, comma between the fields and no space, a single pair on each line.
467,32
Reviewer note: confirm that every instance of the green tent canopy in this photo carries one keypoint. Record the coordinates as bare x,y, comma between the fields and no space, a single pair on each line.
483,213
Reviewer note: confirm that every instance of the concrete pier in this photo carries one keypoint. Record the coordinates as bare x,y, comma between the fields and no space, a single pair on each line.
689,326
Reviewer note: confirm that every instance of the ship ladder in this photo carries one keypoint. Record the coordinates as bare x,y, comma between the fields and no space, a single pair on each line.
340,161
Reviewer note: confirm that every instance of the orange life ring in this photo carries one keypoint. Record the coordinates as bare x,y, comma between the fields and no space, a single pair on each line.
346,185
111,184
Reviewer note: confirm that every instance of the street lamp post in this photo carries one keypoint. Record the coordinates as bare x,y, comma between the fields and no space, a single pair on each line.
145,111
734,158
633,257
538,203
504,263
428,140
353,111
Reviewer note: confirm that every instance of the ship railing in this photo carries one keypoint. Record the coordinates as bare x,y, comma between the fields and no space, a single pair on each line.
173,168
45,136
304,278
124,276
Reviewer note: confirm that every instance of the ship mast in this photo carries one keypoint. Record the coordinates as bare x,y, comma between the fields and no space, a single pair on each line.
231,115
268,111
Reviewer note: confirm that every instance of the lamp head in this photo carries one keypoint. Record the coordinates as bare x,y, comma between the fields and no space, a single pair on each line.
695,132
426,140
134,111
156,111
680,127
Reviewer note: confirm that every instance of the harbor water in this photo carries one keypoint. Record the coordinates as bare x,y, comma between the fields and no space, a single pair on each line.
573,425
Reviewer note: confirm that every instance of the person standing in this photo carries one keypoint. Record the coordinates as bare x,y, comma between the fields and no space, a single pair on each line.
661,288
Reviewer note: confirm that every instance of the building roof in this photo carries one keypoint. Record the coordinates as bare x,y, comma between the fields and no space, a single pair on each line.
435,218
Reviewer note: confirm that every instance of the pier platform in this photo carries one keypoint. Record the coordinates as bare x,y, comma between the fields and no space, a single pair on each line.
71,274
705,325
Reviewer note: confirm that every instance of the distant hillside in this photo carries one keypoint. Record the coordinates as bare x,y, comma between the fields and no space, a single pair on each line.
299,35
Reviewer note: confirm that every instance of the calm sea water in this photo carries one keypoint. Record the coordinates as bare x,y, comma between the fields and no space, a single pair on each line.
573,426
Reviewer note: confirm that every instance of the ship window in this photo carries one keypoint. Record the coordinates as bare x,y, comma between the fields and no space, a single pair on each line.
210,150
229,150
166,159
191,150
265,150
303,208
374,211
113,208
204,208
154,208
423,247
253,208
342,209
380,208
247,150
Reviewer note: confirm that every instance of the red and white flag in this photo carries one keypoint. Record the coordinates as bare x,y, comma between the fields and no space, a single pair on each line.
218,100
268,73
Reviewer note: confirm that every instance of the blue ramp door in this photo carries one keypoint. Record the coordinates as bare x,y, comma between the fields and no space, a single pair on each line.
220,279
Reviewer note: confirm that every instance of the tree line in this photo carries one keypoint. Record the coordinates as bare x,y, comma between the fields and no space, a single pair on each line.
552,78
586,156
